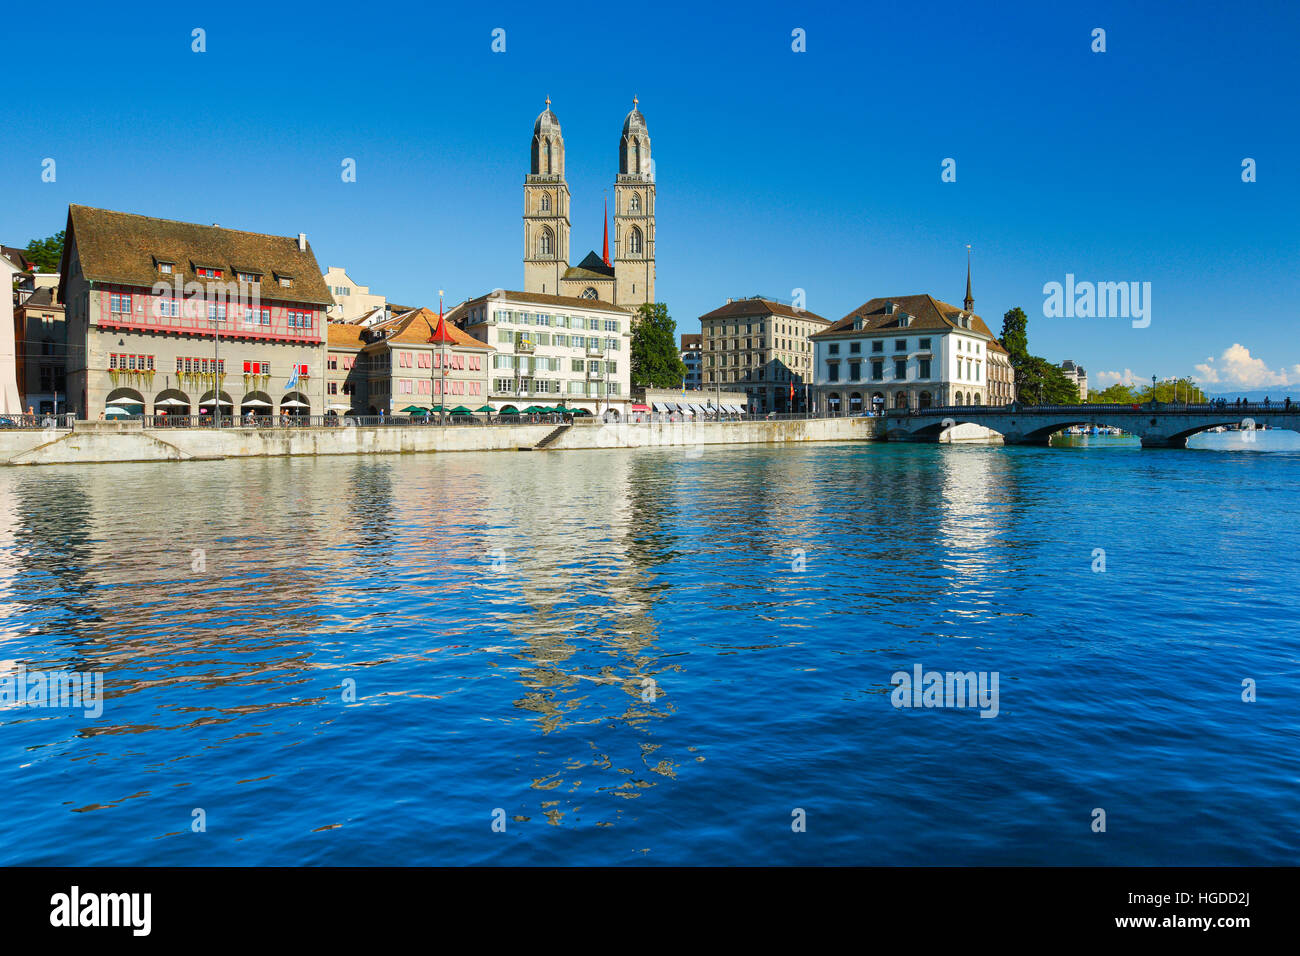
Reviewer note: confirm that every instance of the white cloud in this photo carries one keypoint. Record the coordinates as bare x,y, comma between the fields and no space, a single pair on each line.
1125,377
1236,366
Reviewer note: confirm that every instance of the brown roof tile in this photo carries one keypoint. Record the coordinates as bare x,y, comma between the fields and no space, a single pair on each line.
928,313
125,248
539,298
417,326
747,308
345,335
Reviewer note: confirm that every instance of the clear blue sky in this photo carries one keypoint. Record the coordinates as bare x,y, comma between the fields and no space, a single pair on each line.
777,170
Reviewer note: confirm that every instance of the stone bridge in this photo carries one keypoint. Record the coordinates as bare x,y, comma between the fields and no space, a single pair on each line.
1159,425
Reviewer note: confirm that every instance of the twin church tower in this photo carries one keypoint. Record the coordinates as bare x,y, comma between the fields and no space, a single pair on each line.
626,279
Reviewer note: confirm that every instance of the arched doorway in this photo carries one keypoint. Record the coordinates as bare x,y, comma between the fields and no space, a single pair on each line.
956,399
207,407
900,399
975,399
833,403
172,404
127,399
256,405
924,400
855,402
295,405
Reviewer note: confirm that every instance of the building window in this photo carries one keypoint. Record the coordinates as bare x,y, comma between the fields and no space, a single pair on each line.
855,348
286,282
546,243
923,344
120,303
900,368
546,202
204,272
877,346
855,371
900,345
589,293
924,370
251,279
634,242
877,371
165,268
833,348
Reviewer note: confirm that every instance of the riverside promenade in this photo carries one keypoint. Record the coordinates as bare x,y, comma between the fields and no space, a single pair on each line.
132,440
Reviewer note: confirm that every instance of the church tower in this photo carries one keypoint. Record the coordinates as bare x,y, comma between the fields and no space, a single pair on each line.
634,215
546,209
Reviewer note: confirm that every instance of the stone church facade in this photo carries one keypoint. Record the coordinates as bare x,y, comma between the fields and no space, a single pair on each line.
628,277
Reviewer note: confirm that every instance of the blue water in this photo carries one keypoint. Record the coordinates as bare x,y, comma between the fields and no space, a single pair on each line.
499,615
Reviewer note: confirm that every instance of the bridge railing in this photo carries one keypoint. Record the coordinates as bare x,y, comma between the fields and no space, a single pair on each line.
1243,409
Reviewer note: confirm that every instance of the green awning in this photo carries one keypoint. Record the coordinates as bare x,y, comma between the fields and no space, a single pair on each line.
415,409
461,410
485,408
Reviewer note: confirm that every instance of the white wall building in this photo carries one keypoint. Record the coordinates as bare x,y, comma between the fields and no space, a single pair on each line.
910,351
553,350
9,401
351,300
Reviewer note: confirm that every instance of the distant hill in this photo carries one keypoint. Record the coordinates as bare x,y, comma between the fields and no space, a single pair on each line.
1278,393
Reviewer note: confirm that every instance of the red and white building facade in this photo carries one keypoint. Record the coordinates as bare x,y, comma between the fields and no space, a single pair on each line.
173,318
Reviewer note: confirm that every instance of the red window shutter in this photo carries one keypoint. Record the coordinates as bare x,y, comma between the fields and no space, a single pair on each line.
248,367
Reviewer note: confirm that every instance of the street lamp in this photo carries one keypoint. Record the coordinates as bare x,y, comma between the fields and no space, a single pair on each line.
1153,391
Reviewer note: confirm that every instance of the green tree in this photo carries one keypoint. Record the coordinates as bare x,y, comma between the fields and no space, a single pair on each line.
1115,395
656,358
1179,390
1039,382
47,252
1015,335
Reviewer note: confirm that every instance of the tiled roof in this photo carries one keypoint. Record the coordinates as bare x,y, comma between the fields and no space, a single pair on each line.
591,267
18,257
928,313
125,248
753,308
42,298
345,335
416,327
539,298
692,340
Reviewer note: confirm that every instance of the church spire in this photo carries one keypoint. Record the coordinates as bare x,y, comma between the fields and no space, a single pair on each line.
969,303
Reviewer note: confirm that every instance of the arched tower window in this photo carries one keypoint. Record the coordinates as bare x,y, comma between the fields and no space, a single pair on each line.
546,243
634,243
546,202
548,157
636,156
634,205
589,293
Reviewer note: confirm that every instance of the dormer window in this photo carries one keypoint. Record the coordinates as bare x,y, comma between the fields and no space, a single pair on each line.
166,268
857,323
286,282
208,272
249,278
890,308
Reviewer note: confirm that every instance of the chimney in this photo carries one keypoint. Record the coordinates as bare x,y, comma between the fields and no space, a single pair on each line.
302,242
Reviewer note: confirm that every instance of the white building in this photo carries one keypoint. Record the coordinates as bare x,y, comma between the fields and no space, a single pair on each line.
9,401
910,351
1077,375
693,359
553,350
351,300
